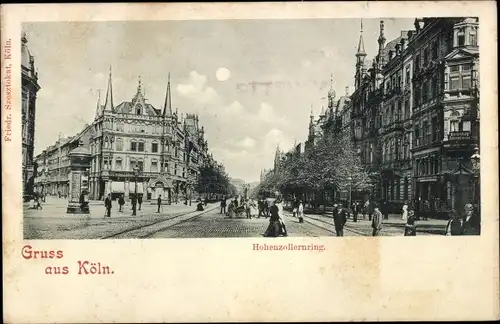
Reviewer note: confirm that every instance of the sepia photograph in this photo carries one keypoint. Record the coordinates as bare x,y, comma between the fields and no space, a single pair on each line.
184,129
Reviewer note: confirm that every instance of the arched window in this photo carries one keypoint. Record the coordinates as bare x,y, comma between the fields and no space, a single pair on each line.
118,164
119,144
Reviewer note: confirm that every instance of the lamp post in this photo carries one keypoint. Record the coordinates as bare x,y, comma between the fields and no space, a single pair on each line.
136,174
475,160
350,192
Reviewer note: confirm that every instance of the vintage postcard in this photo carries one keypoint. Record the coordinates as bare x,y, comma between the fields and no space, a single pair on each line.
250,162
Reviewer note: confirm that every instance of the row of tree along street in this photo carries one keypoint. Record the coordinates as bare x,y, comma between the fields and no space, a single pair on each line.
214,182
328,171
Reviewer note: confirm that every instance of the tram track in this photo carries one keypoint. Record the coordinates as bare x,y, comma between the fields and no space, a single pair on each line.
331,227
147,230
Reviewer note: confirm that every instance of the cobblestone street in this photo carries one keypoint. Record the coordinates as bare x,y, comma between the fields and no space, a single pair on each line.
213,224
52,222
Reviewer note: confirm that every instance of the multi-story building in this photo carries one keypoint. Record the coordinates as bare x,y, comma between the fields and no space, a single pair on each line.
54,167
135,148
445,65
461,116
30,87
395,124
139,149
415,113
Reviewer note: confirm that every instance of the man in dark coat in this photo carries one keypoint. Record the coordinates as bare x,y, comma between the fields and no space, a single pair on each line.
376,220
223,205
339,219
134,205
384,209
471,222
158,202
121,202
139,200
107,205
355,211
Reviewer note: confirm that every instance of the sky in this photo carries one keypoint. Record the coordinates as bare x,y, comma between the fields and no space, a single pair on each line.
252,82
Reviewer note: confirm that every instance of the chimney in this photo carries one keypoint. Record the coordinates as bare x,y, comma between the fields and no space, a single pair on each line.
398,51
403,44
391,54
410,34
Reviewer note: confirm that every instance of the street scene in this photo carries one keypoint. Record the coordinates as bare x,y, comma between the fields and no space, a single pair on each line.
230,129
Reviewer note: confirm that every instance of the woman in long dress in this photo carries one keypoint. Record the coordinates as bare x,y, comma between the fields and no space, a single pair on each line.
274,228
404,215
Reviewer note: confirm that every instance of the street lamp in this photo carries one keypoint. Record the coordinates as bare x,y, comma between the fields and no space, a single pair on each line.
350,192
136,174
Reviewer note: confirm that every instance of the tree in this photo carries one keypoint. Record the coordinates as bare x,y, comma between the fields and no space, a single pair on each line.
213,179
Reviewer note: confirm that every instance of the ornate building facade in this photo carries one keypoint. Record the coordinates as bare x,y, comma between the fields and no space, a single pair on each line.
30,87
137,148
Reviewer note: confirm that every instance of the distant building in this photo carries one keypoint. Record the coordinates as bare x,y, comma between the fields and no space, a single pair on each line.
30,87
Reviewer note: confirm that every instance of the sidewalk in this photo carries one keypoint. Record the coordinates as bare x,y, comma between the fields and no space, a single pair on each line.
393,226
56,208
54,223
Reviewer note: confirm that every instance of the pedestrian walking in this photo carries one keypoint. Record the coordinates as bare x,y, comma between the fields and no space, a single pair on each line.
107,205
368,210
266,208
206,201
426,209
410,226
139,200
121,202
158,202
376,220
134,205
471,222
260,206
404,214
355,211
454,226
248,209
230,211
418,210
223,205
384,209
339,219
273,230
301,212
37,202
281,220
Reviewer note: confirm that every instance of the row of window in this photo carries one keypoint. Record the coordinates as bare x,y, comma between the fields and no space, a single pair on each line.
133,164
427,133
393,189
427,166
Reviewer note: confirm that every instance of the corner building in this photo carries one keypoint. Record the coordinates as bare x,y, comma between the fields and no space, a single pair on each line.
30,87
136,147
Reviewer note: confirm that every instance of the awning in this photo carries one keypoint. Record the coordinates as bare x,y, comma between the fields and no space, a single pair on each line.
427,179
